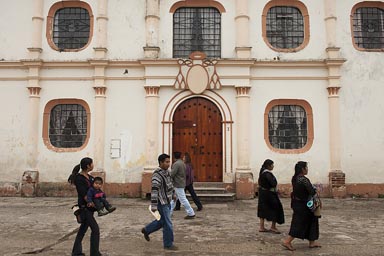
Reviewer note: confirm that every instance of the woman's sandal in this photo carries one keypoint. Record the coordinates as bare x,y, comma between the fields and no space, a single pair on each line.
274,231
263,230
288,247
314,246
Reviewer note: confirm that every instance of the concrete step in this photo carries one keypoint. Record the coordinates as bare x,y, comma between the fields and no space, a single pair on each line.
212,192
226,197
208,184
204,190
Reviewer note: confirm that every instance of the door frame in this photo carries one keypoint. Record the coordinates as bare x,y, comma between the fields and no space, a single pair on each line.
227,127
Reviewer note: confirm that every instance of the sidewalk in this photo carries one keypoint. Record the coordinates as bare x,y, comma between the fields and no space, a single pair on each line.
348,227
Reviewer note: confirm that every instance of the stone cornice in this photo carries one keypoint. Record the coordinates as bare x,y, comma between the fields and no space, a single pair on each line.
317,63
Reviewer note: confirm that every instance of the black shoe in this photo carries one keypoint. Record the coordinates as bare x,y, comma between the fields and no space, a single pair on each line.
111,209
171,248
189,217
146,236
200,208
177,209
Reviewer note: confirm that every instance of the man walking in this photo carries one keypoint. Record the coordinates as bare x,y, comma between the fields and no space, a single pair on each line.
161,196
178,177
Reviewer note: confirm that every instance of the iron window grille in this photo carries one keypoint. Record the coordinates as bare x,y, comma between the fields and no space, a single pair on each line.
368,28
287,127
71,28
285,27
68,126
196,29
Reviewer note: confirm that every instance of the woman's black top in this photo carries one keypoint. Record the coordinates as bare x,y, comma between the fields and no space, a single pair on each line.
267,180
302,188
82,185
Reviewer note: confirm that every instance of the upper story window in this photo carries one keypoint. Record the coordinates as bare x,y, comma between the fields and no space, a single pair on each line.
289,126
286,27
66,124
196,29
368,26
69,26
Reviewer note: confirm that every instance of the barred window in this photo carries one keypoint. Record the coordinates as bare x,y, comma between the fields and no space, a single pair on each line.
196,29
68,126
71,28
368,27
285,27
287,127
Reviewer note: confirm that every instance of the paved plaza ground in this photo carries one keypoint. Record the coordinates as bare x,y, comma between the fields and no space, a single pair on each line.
348,227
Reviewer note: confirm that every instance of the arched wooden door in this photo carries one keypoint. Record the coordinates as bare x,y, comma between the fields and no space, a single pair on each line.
197,129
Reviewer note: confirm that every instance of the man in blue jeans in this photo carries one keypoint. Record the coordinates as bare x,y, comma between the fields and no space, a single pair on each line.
161,196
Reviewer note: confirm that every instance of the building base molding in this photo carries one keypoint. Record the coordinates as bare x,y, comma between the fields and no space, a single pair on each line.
29,183
337,184
245,188
135,189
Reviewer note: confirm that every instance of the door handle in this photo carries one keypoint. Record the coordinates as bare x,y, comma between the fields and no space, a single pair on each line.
194,147
201,150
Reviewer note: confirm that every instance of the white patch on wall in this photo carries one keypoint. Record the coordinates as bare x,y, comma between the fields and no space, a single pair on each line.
126,139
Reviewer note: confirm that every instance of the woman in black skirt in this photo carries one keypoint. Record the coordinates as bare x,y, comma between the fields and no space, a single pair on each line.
269,206
304,225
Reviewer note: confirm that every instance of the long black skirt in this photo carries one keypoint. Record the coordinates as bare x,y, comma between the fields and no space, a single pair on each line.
304,225
269,207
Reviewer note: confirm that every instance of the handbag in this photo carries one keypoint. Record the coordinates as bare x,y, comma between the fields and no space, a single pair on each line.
79,213
314,205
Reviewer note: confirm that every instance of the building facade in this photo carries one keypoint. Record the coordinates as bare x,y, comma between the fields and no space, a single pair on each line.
231,82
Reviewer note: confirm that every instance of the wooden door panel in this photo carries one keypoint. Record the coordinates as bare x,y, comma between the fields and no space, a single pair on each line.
197,130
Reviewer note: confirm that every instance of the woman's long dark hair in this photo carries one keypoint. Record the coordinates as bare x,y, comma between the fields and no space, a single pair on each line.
83,165
188,160
265,165
298,170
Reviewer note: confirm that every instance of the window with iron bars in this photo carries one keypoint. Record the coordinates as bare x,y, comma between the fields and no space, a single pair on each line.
285,27
196,29
71,28
68,126
287,127
368,28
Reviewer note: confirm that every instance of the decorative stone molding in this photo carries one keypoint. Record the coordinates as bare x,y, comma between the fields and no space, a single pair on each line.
196,75
152,91
34,92
242,91
333,91
100,91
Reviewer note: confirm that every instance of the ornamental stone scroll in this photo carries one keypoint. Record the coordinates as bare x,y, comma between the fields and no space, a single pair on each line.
196,74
